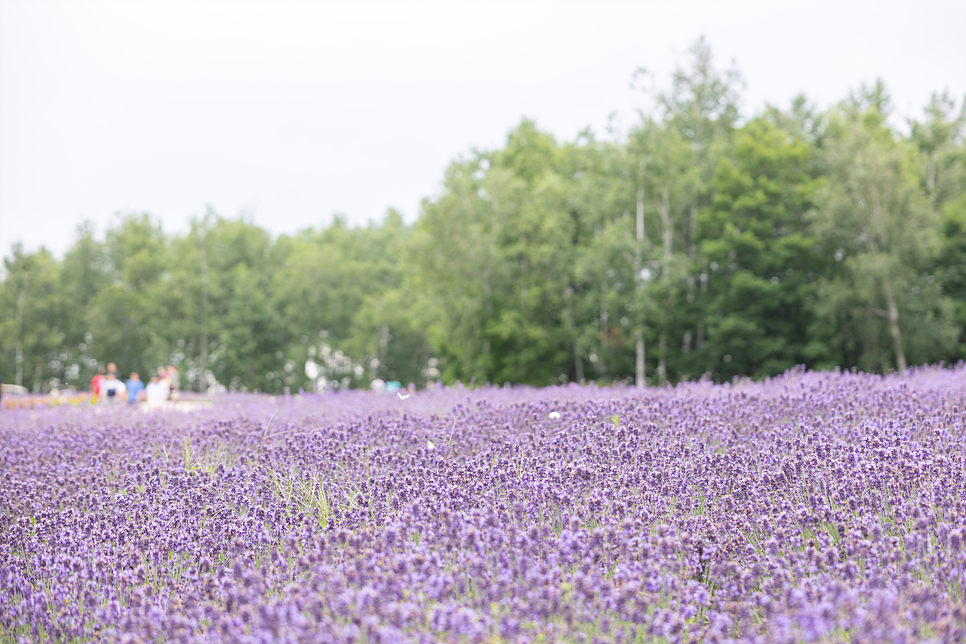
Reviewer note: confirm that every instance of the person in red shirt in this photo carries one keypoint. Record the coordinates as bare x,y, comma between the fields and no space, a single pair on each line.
96,382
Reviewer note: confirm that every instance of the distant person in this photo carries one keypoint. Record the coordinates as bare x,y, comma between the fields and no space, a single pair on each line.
96,382
156,393
134,387
175,379
112,389
164,378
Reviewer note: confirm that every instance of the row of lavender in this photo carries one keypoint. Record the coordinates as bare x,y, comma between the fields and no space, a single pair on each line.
812,507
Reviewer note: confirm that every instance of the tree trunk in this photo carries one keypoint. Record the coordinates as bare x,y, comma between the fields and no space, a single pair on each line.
693,231
21,301
18,378
203,376
578,362
874,246
662,361
639,371
639,363
667,233
524,291
692,252
699,341
688,335
893,311
640,208
383,348
490,255
604,319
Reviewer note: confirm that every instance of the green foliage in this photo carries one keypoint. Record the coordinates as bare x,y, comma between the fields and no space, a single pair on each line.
30,335
794,237
762,259
875,219
950,266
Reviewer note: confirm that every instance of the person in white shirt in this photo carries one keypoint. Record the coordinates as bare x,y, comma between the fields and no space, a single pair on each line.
112,389
157,392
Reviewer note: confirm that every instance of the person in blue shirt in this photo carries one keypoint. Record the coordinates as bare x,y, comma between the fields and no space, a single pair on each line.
134,388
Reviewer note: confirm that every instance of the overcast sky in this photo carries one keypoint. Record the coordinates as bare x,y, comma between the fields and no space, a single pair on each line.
293,111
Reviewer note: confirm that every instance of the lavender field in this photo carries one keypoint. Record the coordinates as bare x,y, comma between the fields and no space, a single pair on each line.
815,507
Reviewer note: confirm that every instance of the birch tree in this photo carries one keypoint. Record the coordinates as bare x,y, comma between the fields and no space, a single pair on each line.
874,218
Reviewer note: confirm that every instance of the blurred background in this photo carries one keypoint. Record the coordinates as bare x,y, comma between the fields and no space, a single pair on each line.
314,196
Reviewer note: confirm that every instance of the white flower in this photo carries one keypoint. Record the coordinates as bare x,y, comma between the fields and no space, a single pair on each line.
554,415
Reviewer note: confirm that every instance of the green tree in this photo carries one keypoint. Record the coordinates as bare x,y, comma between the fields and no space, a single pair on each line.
668,187
246,338
702,104
83,273
323,283
873,217
124,314
950,268
762,259
30,332
940,143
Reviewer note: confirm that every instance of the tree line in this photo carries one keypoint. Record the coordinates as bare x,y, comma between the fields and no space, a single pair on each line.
698,243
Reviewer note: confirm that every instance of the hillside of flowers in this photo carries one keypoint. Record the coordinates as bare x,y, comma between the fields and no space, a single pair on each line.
813,507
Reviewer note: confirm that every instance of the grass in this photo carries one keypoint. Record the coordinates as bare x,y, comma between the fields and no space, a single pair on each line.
304,491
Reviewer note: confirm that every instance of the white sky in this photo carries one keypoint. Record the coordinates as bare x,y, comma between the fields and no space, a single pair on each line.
293,111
